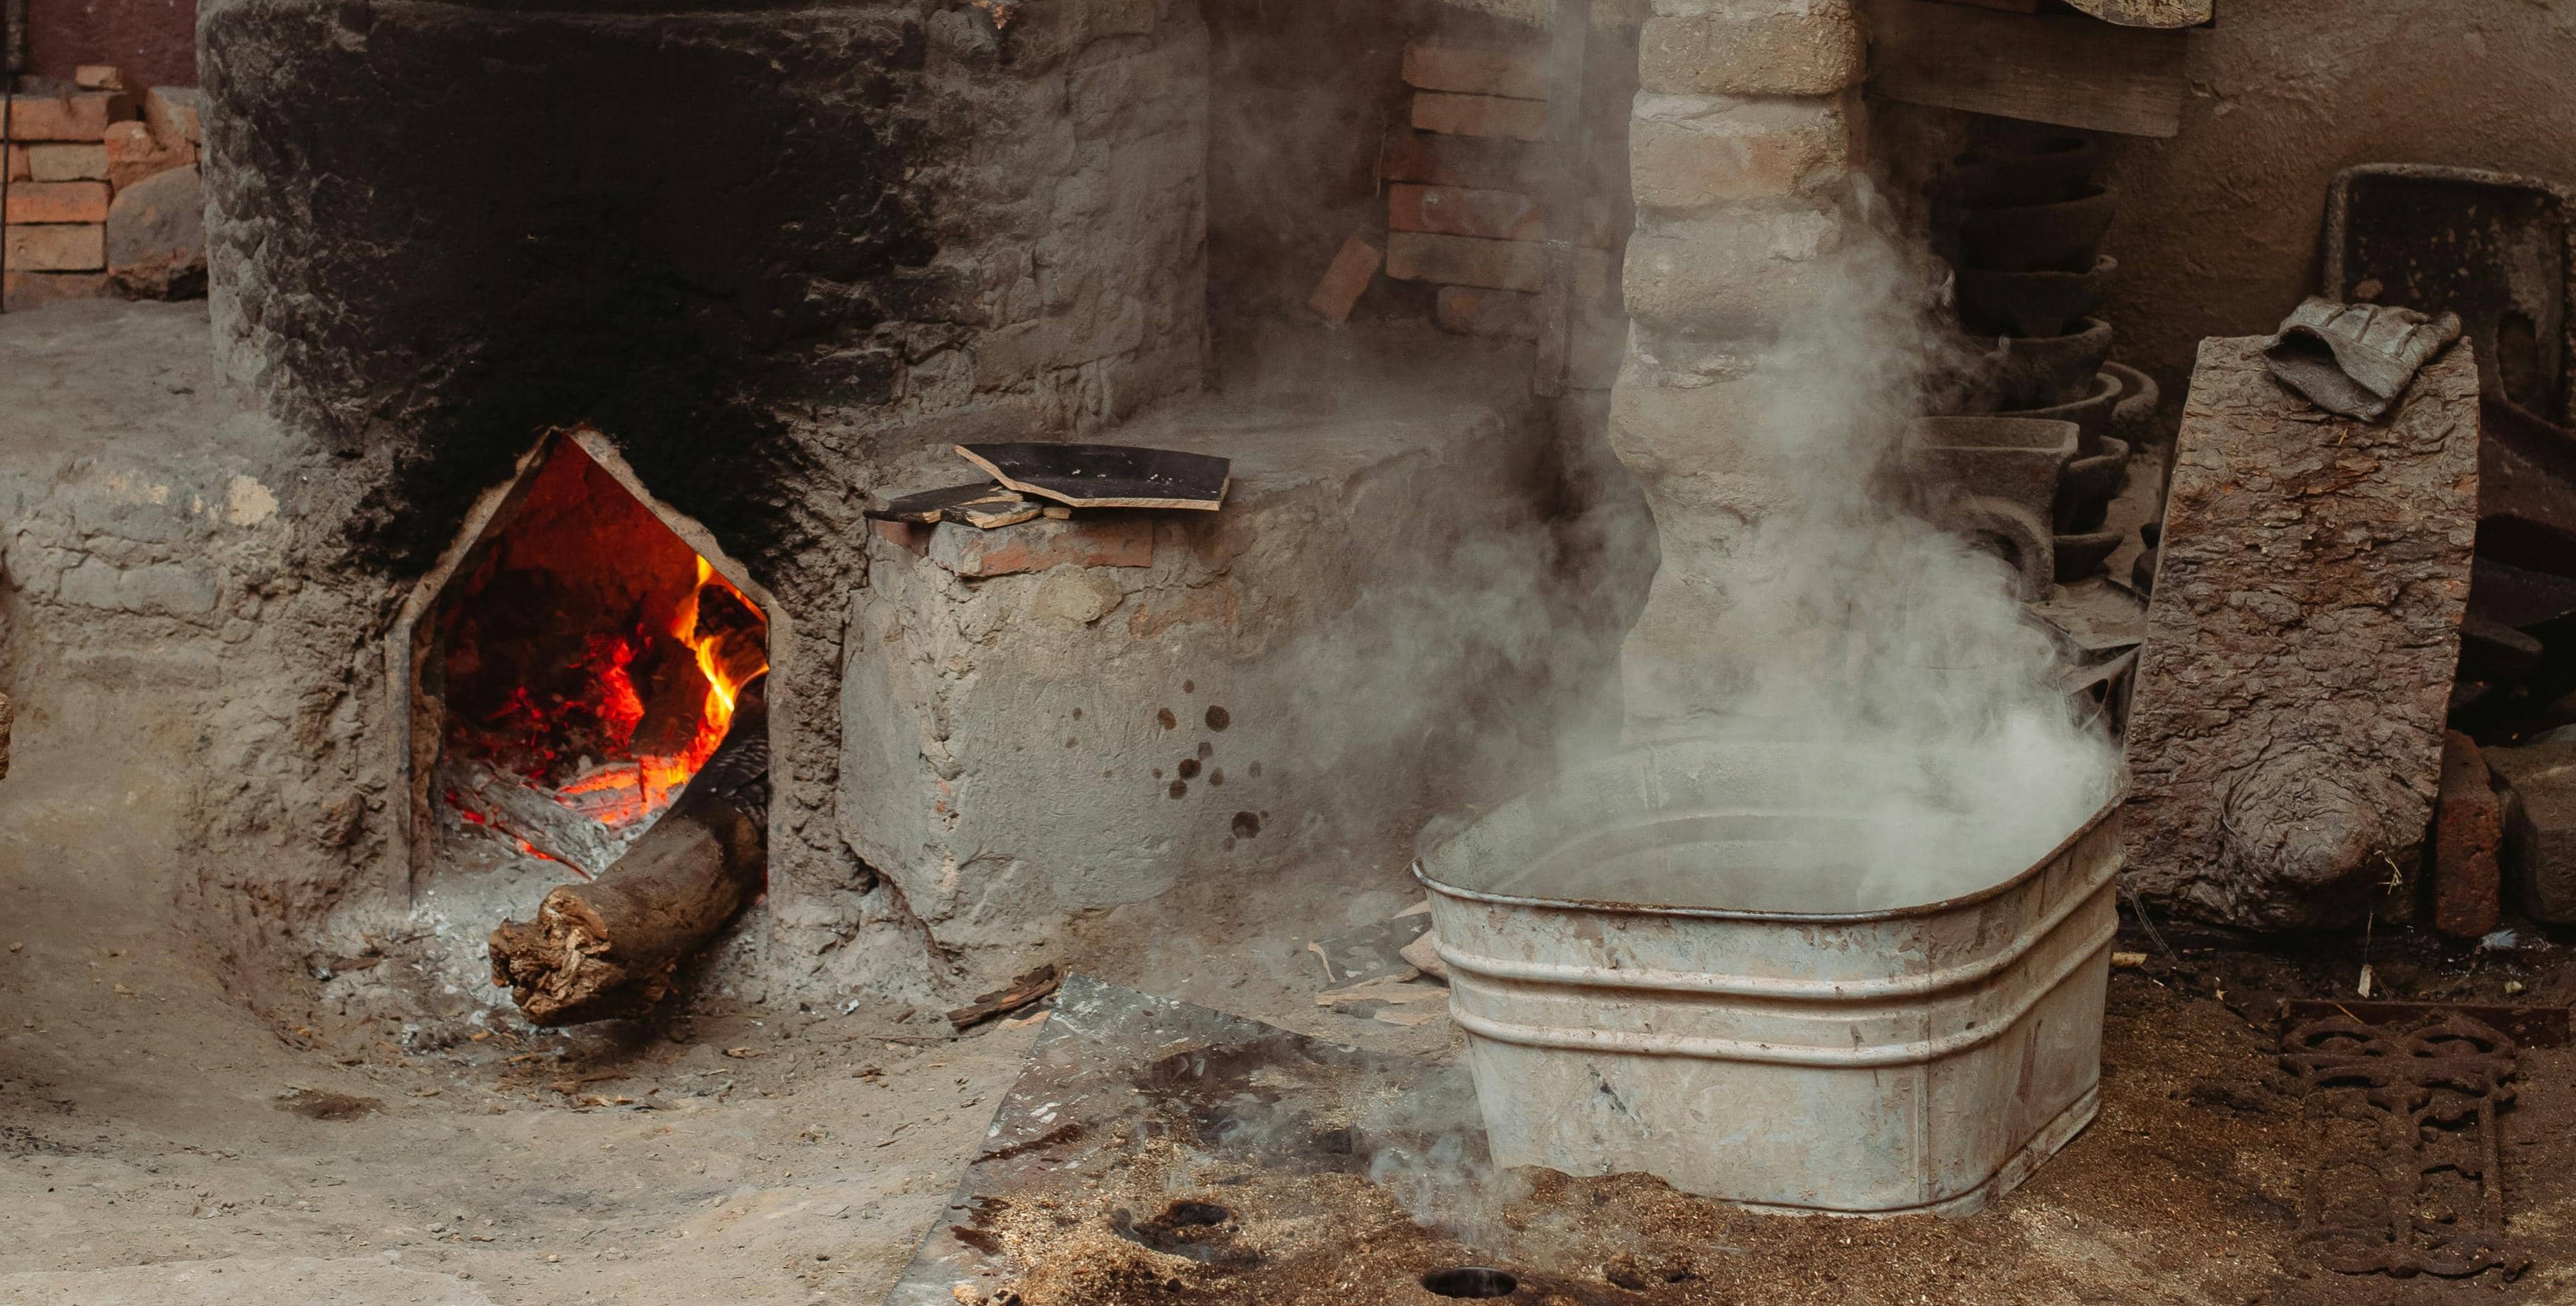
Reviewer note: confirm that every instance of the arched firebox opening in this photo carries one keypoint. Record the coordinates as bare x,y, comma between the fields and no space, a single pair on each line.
575,659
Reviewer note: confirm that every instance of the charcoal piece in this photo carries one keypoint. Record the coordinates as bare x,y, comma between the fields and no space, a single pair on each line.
1106,475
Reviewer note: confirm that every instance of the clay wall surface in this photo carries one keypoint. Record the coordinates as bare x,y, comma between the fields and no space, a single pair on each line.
2218,228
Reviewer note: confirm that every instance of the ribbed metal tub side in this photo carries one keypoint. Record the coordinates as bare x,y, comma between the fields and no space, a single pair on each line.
1917,1059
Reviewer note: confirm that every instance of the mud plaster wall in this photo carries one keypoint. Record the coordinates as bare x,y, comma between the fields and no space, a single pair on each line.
773,253
153,42
2218,228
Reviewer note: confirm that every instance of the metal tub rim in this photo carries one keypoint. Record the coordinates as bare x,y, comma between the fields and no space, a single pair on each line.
2110,805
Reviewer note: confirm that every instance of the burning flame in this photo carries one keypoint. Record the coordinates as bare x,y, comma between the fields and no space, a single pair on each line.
728,658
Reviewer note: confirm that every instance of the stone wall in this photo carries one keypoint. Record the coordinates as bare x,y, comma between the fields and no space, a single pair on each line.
1744,132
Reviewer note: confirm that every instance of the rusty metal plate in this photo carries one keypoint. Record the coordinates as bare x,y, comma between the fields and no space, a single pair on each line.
2410,1180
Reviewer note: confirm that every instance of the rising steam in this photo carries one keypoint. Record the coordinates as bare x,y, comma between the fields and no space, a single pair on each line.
1852,625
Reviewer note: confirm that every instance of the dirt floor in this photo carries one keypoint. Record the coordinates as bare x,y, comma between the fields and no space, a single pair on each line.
161,1142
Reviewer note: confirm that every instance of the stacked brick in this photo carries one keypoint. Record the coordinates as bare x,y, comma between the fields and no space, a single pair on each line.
69,153
1744,126
1462,184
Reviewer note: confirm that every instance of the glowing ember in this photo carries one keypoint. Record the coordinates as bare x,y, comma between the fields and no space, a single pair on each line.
592,655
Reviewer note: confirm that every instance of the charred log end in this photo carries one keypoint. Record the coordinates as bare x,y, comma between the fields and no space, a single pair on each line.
610,948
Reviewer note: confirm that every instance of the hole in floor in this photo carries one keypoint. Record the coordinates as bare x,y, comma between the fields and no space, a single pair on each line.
1471,1281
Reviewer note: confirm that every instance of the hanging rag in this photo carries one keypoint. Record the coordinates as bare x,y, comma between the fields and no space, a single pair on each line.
2355,359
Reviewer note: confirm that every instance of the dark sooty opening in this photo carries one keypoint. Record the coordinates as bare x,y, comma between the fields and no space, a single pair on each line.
1180,1214
1471,1281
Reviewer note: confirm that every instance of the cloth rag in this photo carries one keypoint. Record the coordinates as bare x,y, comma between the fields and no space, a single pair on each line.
2355,359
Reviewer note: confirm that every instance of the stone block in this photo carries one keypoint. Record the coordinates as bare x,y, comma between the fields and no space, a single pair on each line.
1093,540
58,201
1474,311
2540,826
78,117
135,153
58,249
1021,749
1518,73
1480,115
156,236
1690,152
1727,269
172,111
1466,261
1460,211
2285,734
1817,51
82,162
2468,826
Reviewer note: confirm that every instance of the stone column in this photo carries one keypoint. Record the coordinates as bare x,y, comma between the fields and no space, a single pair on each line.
1744,131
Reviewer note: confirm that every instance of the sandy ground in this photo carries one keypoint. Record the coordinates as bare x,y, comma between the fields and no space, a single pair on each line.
160,1143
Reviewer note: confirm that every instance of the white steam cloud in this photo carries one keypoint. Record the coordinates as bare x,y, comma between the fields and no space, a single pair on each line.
1897,651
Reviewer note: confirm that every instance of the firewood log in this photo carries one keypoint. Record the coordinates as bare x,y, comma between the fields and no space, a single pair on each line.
610,948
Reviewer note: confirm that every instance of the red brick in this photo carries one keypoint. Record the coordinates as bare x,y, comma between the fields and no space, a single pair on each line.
1097,541
1346,280
1490,264
1472,311
26,290
1458,211
903,534
81,248
134,153
2468,826
1466,261
98,77
15,159
1475,70
1480,115
1812,53
1436,160
57,201
78,117
65,162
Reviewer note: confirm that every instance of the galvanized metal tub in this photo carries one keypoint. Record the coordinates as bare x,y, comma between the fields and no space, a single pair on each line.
1879,1062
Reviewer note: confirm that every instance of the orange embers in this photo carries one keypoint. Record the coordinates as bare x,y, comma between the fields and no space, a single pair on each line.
588,651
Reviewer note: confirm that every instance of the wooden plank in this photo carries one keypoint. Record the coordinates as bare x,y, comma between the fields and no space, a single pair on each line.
2068,70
